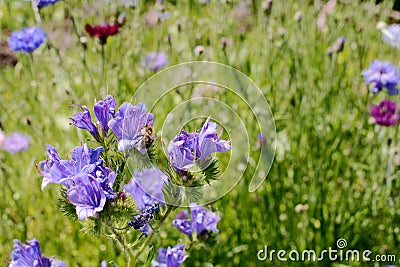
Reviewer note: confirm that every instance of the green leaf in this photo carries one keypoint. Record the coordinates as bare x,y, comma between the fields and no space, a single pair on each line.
150,256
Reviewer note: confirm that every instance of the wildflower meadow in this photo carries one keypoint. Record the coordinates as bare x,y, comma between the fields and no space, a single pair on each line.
199,133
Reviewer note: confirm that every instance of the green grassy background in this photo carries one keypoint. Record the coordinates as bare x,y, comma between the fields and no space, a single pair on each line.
330,155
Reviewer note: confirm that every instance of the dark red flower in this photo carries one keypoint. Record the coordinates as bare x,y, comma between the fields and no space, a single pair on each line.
102,31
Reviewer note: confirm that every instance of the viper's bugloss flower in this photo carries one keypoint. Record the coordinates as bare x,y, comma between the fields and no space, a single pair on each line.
29,254
129,125
87,195
27,40
154,60
140,221
43,3
146,187
15,142
202,220
385,113
170,257
182,149
102,32
83,120
391,35
105,111
380,75
88,181
186,148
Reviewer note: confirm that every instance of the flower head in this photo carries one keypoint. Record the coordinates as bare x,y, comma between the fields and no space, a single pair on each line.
337,47
391,35
154,60
147,186
382,74
130,125
87,195
104,111
43,3
15,142
385,113
30,255
83,120
171,257
27,40
102,31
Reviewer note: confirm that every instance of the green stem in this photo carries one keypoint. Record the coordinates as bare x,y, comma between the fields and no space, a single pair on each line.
150,236
102,66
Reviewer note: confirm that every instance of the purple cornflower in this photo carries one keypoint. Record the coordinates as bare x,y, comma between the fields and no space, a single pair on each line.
87,195
105,111
170,257
146,187
43,3
391,35
15,142
30,255
202,220
130,126
186,148
385,113
154,60
27,40
83,120
382,74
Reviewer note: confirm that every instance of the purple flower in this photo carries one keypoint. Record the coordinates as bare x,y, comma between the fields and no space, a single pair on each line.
104,111
208,141
337,47
129,125
186,148
385,113
171,257
382,74
202,220
15,142
182,150
391,35
30,255
27,40
83,120
146,187
43,3
87,195
154,60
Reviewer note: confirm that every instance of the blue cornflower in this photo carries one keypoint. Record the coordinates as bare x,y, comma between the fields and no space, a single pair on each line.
43,3
382,74
154,60
15,142
29,254
170,257
27,40
133,127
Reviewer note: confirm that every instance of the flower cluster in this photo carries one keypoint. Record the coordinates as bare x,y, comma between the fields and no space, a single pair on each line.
381,75
102,32
202,220
170,257
89,183
30,255
27,40
188,148
140,220
386,113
